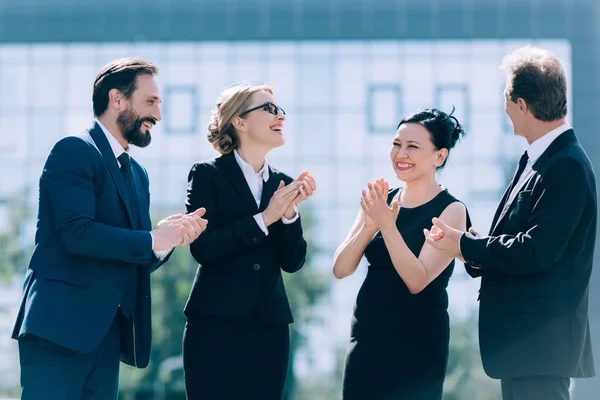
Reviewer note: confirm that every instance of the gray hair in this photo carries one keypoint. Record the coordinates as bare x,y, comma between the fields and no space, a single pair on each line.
537,76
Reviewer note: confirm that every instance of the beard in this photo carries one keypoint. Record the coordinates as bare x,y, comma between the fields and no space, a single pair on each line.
130,125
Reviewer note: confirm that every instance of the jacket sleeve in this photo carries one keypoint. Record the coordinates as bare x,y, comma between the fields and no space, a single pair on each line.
554,217
68,182
217,241
291,249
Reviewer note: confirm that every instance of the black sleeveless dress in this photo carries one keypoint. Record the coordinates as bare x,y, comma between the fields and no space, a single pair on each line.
399,341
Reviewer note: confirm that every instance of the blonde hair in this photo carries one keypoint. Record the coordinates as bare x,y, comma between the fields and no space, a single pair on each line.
232,102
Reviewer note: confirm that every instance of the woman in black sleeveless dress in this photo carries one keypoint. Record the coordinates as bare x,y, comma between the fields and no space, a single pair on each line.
400,329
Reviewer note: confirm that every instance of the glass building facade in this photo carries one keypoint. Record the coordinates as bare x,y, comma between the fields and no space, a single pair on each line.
345,72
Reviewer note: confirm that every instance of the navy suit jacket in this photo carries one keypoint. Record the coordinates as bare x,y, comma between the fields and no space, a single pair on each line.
88,238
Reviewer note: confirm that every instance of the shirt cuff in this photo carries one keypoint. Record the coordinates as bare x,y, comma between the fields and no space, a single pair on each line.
261,223
160,254
294,219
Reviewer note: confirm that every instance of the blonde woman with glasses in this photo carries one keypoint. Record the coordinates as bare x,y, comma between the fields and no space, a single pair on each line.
236,340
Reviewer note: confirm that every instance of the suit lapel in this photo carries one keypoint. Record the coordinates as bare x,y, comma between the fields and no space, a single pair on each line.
236,177
102,144
269,188
557,144
500,208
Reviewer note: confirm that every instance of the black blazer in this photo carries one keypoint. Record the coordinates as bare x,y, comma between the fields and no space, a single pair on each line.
239,275
535,269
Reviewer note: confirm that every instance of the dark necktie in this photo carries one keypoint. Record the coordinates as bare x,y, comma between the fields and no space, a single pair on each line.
125,162
505,204
522,164
129,296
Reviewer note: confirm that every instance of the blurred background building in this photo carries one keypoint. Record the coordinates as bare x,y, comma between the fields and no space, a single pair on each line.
345,71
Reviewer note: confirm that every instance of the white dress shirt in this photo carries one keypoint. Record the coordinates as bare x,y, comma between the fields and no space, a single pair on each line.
255,182
534,151
118,150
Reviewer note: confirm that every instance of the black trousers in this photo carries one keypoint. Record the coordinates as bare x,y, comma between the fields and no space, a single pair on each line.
49,371
230,360
536,388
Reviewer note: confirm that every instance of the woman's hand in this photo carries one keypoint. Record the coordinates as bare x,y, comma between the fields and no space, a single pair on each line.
281,201
374,205
309,185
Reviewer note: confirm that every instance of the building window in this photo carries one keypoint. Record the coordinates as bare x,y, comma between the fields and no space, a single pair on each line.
384,107
181,108
448,96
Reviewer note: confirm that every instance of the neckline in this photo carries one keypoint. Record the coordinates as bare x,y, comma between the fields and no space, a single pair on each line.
397,196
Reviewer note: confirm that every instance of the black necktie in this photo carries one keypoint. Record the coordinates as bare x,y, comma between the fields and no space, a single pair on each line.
125,162
522,164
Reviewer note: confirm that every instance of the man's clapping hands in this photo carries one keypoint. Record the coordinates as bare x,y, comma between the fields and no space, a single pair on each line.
179,230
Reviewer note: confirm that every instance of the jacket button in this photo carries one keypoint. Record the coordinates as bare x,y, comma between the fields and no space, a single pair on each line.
256,267
255,240
120,286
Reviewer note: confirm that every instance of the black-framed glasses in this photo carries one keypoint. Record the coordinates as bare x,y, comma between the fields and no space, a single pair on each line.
268,107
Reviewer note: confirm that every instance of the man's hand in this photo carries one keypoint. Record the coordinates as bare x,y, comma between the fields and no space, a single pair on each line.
178,230
444,238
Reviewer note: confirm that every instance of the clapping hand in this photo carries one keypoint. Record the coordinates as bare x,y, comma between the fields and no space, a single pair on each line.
374,204
178,229
309,185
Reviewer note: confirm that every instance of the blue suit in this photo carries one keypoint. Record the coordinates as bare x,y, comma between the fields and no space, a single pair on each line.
91,241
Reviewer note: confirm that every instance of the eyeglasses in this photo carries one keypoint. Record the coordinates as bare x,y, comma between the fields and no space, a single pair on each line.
268,107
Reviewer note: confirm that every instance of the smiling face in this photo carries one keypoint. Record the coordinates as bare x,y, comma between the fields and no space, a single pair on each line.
261,127
141,112
413,154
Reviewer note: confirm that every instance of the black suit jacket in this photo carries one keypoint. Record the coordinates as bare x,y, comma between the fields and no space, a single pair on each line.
535,269
239,275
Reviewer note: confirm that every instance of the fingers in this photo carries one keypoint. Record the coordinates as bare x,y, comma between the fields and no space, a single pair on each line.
473,232
395,207
366,198
174,217
284,190
312,184
186,236
438,223
199,212
302,176
364,205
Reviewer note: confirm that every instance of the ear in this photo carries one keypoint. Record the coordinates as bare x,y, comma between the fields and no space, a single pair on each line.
441,156
116,99
522,106
239,124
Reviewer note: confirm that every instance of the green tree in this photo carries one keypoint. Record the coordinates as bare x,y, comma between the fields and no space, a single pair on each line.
15,249
465,377
305,289
171,285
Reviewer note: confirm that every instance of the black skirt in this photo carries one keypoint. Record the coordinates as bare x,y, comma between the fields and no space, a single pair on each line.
228,359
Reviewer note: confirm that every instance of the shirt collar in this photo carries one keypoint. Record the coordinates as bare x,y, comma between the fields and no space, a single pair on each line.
114,143
537,148
247,168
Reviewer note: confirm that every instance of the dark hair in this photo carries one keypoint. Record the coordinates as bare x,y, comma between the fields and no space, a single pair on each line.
537,76
444,129
119,74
